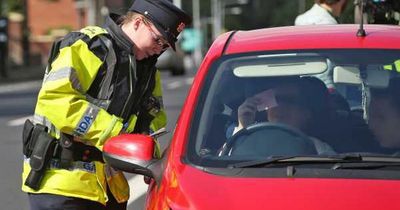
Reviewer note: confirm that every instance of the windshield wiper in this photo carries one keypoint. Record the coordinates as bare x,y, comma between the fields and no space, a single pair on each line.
297,159
363,161
364,165
370,162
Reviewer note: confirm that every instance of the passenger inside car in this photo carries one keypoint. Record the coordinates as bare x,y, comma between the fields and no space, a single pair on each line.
384,116
299,102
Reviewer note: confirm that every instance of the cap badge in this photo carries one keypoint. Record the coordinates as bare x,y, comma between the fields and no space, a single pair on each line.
181,26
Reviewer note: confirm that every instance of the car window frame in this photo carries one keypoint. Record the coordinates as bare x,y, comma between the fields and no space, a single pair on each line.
190,155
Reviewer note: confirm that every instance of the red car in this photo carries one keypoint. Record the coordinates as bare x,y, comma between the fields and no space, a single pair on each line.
282,118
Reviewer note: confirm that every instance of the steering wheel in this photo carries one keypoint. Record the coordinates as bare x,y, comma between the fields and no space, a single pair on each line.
269,139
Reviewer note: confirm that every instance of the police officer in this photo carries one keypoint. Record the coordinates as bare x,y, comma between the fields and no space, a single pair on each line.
99,82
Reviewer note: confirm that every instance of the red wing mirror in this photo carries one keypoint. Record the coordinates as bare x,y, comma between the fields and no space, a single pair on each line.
131,153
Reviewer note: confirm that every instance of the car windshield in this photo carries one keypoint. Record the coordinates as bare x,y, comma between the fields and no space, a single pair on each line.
297,103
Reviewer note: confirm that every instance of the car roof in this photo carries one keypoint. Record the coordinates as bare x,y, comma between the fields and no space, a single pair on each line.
312,37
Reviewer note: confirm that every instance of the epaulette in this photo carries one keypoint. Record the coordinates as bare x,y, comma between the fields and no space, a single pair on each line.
93,31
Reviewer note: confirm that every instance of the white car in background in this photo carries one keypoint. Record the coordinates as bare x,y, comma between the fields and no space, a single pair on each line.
172,61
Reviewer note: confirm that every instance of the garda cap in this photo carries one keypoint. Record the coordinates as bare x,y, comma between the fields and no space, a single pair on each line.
166,17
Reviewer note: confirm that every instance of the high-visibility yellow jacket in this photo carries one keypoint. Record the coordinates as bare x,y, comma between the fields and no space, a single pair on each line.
78,98
394,66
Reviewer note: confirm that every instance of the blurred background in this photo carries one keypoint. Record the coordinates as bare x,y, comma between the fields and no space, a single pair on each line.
29,27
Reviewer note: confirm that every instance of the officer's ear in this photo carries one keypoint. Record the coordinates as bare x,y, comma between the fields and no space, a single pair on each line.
136,22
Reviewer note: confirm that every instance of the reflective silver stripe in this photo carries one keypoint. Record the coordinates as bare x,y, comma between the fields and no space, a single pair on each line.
66,72
89,167
70,73
87,120
111,60
38,119
76,165
98,102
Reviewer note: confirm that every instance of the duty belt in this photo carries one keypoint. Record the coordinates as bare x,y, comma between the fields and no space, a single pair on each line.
68,150
41,148
80,152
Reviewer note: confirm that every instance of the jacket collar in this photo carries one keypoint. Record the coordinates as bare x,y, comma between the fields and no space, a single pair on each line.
121,39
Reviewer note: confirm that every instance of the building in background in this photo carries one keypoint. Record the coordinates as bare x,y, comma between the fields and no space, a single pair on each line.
48,20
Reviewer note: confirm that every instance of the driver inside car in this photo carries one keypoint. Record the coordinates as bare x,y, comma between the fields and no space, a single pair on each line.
299,102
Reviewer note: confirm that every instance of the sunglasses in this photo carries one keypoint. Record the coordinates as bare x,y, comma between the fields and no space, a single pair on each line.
159,40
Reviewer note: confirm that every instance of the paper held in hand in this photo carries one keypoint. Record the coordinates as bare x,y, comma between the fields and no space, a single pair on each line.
266,100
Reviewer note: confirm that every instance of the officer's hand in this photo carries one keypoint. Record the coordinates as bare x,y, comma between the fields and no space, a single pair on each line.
247,112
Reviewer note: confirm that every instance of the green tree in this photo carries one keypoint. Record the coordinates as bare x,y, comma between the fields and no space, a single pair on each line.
14,6
264,14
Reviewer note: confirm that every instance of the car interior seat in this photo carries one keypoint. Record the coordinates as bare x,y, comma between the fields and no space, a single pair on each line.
350,131
216,137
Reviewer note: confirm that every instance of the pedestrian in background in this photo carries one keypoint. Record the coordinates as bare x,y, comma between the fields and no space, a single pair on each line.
99,82
325,12
322,12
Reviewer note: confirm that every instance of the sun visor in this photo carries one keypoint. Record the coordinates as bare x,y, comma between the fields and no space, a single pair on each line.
280,65
377,77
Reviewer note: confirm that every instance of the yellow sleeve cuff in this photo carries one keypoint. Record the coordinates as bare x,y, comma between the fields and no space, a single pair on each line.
113,129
